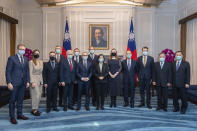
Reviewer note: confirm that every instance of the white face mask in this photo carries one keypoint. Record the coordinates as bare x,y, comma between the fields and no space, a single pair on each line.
145,53
76,53
91,51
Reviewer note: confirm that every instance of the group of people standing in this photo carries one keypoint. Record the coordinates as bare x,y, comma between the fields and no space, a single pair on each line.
71,77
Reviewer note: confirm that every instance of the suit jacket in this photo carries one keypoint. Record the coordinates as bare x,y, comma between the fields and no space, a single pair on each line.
102,43
129,75
66,74
36,72
182,76
80,59
93,61
50,75
83,72
164,75
17,73
98,73
147,71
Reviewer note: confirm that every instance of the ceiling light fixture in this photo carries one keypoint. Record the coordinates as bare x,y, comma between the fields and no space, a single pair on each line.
131,3
73,2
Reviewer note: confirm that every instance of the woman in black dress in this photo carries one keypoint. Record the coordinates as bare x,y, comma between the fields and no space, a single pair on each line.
100,72
114,77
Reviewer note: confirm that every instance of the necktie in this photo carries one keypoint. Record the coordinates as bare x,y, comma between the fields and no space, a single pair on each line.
177,65
22,61
53,65
85,64
71,66
58,58
77,59
129,64
161,65
144,61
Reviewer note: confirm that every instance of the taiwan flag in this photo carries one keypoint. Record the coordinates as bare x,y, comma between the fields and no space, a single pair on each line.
66,41
131,42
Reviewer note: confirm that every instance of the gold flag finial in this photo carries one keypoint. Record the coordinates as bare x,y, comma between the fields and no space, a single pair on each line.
66,17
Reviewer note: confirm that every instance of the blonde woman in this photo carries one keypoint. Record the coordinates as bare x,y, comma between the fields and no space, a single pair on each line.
36,67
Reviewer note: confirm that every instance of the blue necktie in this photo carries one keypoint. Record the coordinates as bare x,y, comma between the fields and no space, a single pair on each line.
177,65
129,64
53,65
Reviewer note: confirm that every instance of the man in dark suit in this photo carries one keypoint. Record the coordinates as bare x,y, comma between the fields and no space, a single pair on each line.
162,79
129,69
77,58
92,58
84,73
98,40
145,66
67,78
50,81
17,78
181,82
59,59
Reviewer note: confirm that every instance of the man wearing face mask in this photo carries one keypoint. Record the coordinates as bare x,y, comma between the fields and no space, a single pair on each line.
181,82
67,78
84,73
17,78
162,79
145,64
129,69
92,57
50,81
59,59
77,58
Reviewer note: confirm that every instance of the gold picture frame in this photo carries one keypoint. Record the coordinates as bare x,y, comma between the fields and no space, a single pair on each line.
99,36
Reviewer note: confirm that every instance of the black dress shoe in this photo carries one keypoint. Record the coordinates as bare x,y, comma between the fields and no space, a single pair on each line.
102,108
65,108
39,111
158,108
176,110
165,109
183,111
94,104
78,108
149,106
61,105
13,121
22,117
141,105
125,104
36,113
132,105
48,110
87,108
71,108
55,109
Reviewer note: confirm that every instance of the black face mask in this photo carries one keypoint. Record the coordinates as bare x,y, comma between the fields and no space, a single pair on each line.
113,54
52,58
36,56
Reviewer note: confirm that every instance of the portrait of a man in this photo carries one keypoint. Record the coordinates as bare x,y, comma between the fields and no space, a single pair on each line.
99,36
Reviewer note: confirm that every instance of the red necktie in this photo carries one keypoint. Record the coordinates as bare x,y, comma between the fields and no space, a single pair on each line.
71,66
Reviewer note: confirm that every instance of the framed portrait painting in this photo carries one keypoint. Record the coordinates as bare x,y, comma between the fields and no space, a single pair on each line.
99,36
